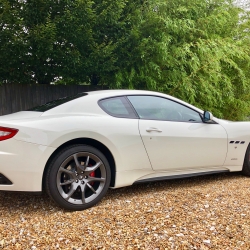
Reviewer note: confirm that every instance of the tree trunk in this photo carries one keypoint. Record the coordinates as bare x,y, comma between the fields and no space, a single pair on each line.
94,79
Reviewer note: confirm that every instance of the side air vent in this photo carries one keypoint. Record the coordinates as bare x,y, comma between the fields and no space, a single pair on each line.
4,180
237,142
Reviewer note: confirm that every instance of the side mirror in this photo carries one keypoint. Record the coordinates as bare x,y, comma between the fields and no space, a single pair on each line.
207,116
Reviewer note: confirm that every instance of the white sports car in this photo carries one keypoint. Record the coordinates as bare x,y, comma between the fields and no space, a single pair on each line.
77,147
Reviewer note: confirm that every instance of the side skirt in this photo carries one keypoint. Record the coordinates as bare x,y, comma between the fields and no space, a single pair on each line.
163,178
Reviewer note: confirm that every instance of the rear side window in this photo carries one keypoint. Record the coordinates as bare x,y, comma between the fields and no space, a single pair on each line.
50,105
118,107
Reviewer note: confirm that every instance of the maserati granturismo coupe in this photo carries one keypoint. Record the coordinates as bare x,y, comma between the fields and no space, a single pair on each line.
75,148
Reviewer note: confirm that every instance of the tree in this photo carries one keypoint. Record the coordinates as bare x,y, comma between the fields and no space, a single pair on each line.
12,44
69,40
195,50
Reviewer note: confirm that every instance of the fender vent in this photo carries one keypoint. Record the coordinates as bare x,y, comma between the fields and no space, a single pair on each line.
4,180
237,142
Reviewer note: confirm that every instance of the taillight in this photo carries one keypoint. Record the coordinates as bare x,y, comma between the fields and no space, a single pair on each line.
7,133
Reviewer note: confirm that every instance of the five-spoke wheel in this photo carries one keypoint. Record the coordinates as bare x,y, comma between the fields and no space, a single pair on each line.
78,177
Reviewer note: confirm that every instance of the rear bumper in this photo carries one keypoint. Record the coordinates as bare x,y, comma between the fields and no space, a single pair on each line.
23,164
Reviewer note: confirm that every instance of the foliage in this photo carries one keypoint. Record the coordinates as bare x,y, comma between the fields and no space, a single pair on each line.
195,50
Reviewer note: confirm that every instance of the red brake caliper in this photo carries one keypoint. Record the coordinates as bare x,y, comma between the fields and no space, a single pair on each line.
92,175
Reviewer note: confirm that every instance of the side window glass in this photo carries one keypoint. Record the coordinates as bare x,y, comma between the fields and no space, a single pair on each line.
117,106
158,108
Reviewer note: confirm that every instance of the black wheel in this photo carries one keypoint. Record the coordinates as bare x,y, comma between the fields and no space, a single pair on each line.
78,177
246,164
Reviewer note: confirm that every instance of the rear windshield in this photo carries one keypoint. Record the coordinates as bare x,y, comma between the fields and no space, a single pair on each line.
55,103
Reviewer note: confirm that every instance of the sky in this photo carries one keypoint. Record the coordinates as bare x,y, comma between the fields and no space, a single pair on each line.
243,3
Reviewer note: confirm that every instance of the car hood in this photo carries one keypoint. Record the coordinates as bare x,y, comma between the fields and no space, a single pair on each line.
221,121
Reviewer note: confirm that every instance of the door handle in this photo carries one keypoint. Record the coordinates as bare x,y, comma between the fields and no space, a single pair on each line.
153,130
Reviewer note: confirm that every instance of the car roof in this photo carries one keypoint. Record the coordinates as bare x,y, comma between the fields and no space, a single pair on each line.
88,104
115,92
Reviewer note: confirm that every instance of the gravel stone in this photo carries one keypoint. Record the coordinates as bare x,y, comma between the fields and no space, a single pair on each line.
203,213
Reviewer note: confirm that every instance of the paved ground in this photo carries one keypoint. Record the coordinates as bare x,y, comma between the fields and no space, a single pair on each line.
211,212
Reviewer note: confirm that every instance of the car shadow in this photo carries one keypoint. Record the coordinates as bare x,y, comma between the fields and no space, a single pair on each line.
174,184
30,203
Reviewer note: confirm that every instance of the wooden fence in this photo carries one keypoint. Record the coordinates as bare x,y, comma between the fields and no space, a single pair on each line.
14,98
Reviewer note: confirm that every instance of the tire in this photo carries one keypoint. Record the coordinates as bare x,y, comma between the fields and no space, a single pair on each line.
78,177
246,164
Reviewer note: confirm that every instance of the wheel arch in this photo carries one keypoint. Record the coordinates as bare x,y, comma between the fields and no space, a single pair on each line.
90,142
246,167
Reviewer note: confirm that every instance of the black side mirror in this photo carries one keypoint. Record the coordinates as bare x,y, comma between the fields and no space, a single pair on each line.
207,116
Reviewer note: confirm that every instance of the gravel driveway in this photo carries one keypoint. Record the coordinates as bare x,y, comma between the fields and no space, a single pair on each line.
211,212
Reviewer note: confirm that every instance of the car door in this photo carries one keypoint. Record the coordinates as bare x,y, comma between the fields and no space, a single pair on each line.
175,136
122,131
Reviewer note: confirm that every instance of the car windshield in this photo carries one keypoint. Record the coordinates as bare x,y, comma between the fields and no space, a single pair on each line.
55,103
